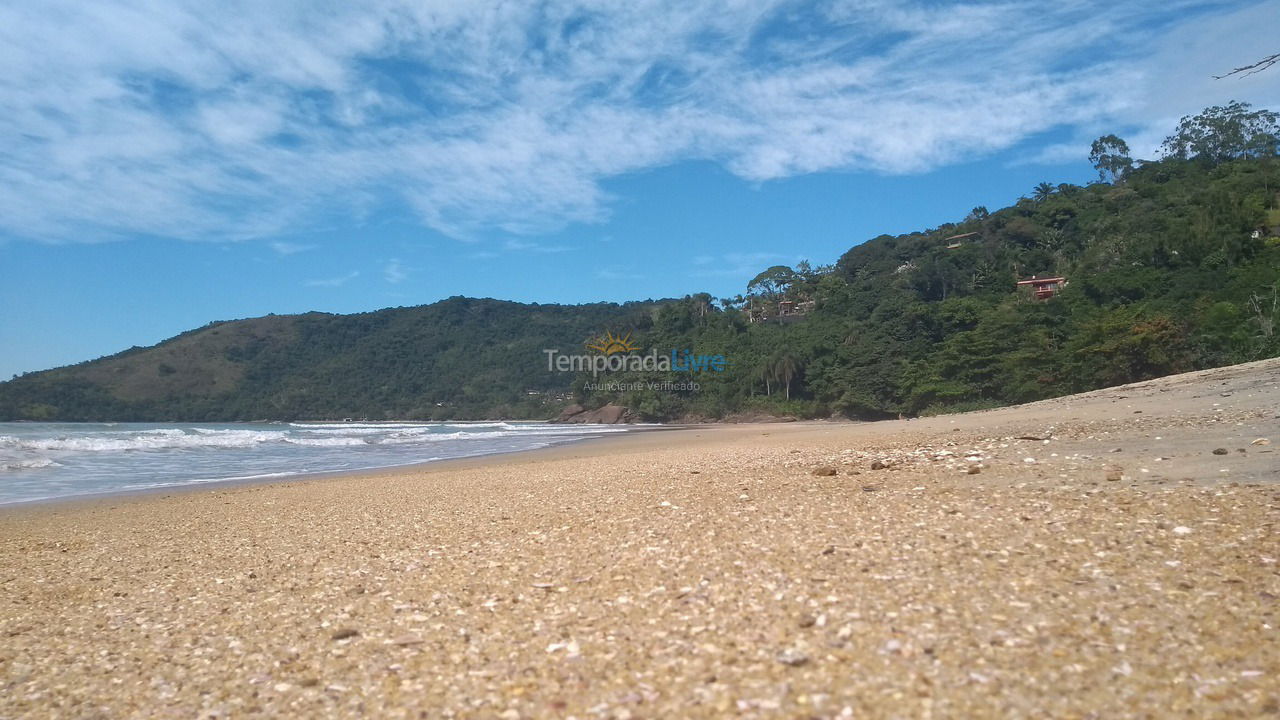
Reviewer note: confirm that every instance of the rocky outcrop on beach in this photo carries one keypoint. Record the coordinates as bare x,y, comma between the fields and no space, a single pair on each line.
606,415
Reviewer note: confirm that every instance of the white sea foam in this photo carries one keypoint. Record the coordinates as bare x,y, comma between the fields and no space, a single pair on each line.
45,460
144,440
331,441
357,425
334,436
26,463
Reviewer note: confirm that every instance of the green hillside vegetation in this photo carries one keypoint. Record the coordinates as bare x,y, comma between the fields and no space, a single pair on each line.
456,359
1171,265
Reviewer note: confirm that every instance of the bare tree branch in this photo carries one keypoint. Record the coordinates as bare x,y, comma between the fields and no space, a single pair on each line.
1248,70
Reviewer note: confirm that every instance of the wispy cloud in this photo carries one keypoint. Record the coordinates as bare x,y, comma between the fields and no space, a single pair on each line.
334,282
393,272
289,248
1054,154
531,246
200,121
736,264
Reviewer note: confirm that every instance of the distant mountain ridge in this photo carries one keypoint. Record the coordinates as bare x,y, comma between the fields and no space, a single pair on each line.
459,358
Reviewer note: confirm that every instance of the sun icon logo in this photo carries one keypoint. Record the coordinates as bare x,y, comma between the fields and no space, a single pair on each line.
609,344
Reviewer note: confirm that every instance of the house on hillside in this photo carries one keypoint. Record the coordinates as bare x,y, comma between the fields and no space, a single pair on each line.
792,310
1043,288
784,311
956,241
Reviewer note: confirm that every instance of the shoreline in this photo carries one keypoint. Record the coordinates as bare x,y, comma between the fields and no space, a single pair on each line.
1094,554
302,477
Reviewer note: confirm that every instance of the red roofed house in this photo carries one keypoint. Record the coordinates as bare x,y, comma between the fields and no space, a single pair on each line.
1044,288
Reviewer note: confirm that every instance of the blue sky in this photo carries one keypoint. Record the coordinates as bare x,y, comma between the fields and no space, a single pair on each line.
173,163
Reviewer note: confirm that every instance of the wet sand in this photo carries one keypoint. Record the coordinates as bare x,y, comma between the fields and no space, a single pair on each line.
1112,554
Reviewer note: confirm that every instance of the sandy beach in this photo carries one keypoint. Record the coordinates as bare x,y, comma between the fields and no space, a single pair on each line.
1113,554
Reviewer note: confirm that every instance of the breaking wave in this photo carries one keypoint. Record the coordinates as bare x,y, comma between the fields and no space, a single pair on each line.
49,460
26,464
331,435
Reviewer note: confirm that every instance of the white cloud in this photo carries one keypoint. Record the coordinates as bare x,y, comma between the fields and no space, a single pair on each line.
737,264
393,272
232,120
530,246
1179,76
289,248
334,282
1176,78
1056,154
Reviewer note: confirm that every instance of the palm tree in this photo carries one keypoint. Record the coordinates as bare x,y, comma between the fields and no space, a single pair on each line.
784,367
766,374
1042,191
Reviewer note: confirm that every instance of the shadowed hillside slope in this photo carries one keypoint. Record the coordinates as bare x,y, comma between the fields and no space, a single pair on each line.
458,358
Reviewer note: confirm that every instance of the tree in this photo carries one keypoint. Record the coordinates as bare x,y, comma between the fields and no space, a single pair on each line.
978,213
1247,70
766,374
784,367
732,303
772,283
1022,231
1225,132
1266,313
703,304
1043,191
1110,157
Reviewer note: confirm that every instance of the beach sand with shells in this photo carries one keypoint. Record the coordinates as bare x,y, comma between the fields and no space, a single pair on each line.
1112,554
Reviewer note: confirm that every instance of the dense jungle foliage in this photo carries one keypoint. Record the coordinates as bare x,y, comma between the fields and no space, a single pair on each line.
1171,266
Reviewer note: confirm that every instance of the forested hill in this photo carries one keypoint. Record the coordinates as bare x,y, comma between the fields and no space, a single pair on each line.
459,358
1173,268
1170,265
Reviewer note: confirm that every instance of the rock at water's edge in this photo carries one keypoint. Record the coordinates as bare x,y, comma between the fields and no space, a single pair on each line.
607,415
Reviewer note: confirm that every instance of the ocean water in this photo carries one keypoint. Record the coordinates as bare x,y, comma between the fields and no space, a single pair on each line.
40,461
